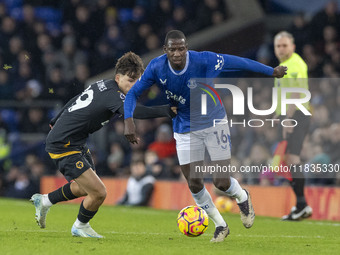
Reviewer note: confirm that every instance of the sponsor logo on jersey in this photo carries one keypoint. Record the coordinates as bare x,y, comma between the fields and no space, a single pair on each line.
192,84
163,82
170,95
220,62
79,164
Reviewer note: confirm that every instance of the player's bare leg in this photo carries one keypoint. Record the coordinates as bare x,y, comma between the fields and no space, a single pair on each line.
96,194
203,200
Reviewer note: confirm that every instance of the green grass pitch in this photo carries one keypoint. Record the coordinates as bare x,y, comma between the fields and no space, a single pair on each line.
130,230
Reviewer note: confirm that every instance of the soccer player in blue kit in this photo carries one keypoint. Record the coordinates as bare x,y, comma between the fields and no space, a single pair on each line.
173,73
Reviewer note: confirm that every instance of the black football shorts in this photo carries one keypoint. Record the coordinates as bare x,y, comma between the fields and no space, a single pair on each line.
72,166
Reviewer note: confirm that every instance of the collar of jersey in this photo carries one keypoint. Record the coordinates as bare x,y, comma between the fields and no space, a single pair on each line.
183,70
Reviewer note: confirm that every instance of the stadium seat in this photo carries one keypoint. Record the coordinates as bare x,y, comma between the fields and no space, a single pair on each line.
9,116
11,4
125,15
48,14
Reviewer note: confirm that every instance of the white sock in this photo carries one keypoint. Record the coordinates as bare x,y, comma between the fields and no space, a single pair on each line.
236,191
46,201
79,224
203,200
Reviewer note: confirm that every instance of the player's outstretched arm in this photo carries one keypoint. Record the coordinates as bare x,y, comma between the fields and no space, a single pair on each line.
280,71
146,112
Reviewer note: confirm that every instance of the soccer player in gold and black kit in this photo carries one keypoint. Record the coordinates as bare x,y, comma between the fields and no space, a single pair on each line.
297,77
66,142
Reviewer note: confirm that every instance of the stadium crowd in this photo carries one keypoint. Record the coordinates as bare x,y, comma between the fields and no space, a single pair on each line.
50,59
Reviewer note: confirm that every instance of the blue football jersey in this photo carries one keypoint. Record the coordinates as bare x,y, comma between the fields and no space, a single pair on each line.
184,88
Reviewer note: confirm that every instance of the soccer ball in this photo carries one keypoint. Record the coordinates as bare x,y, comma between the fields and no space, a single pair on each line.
223,204
192,221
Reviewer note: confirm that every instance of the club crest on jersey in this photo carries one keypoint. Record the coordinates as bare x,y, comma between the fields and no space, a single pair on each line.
163,82
79,165
101,85
192,84
220,62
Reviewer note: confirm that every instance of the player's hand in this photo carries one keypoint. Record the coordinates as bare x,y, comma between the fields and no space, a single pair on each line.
130,131
173,111
280,71
51,127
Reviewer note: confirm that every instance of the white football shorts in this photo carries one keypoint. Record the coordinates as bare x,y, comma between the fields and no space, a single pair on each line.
191,146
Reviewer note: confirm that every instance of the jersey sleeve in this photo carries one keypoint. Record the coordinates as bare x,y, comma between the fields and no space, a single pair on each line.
145,112
145,82
114,99
225,63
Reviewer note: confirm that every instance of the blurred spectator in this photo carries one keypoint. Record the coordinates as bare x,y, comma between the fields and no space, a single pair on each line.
300,31
259,156
117,136
154,166
6,88
206,10
8,30
152,43
164,144
334,143
34,121
69,57
115,160
116,40
162,15
11,56
140,186
103,58
3,11
86,28
181,21
20,81
329,16
19,184
77,84
27,25
55,87
320,159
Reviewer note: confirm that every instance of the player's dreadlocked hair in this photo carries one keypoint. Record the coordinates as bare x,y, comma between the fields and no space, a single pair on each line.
130,64
174,34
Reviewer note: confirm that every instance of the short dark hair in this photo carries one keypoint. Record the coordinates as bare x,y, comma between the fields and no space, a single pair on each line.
174,34
130,64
